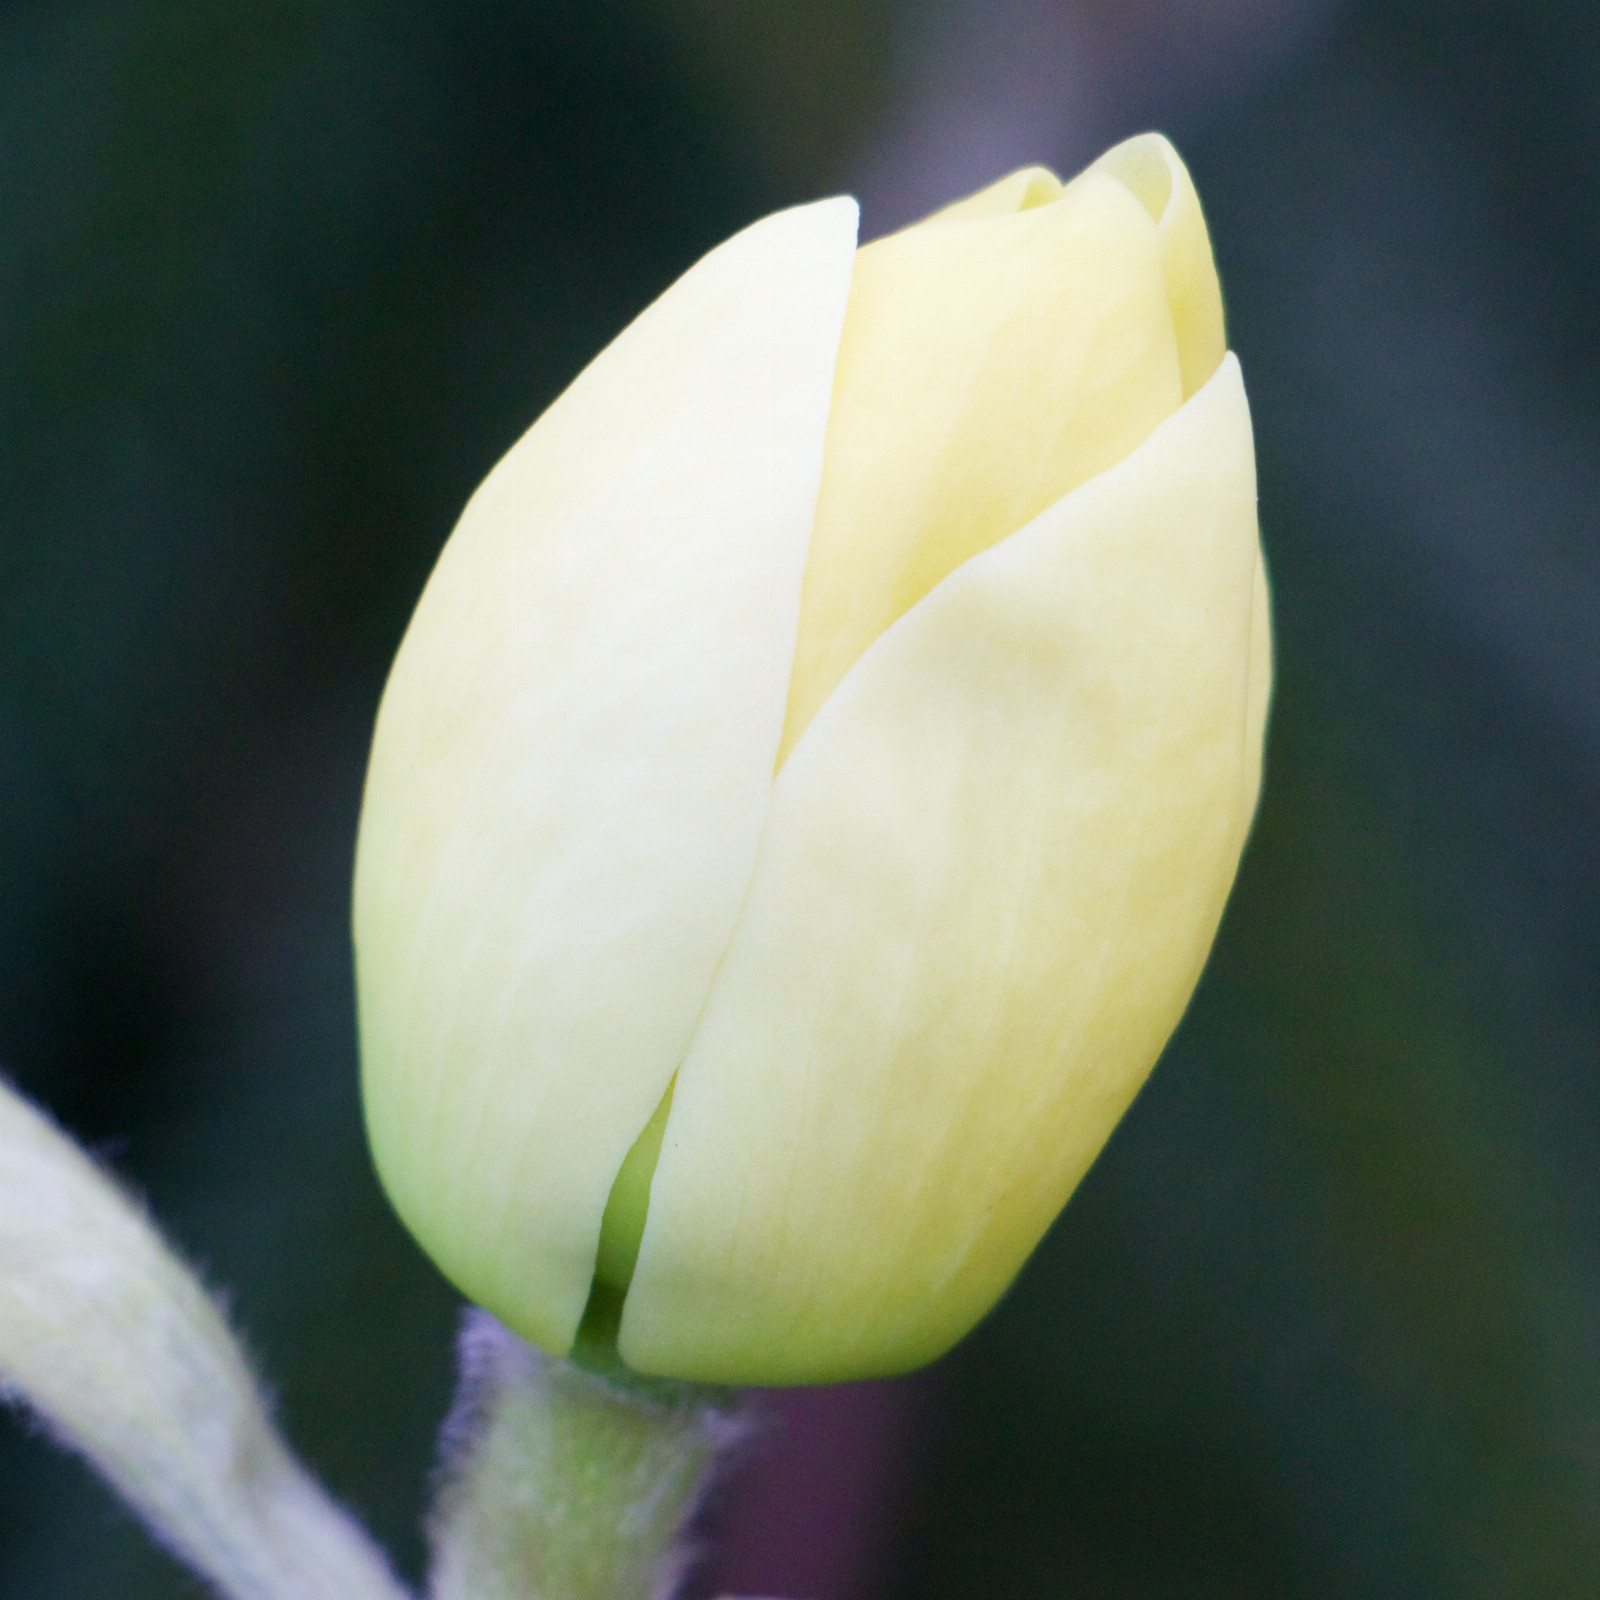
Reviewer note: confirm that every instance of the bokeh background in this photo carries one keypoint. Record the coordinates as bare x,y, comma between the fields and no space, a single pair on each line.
280,281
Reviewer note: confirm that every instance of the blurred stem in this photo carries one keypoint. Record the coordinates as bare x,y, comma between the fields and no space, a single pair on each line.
562,1482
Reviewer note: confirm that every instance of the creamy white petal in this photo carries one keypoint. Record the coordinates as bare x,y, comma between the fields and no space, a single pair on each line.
993,869
574,760
108,1337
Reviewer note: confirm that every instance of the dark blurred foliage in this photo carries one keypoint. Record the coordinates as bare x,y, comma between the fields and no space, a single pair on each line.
279,282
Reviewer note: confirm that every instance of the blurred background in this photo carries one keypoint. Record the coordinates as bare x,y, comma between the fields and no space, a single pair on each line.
279,282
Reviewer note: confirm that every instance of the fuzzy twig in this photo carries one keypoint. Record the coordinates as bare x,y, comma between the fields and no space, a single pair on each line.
111,1342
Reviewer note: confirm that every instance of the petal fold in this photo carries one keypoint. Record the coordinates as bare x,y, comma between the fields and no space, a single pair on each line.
573,764
990,877
1152,169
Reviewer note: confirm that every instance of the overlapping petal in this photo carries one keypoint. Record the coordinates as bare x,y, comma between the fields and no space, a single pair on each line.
993,357
992,871
573,763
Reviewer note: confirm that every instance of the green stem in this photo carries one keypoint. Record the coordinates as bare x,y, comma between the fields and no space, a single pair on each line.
567,1483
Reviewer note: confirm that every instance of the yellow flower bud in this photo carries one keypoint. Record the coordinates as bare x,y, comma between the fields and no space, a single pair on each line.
817,767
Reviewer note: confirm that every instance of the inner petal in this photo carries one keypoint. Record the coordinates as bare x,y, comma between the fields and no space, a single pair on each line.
993,358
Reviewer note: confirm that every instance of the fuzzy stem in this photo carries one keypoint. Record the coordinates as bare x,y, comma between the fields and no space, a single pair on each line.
112,1343
562,1483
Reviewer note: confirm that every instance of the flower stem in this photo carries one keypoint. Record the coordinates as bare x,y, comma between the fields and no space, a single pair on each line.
563,1482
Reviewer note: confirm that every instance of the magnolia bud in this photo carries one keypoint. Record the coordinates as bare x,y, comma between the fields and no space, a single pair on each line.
817,767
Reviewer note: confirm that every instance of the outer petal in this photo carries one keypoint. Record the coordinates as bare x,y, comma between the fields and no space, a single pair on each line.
574,760
992,872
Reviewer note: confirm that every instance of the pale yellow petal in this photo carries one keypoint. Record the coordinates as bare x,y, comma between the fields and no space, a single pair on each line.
990,878
574,760
1021,190
990,363
1150,167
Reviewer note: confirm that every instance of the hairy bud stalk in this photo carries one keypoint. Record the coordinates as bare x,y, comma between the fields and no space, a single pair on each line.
566,1484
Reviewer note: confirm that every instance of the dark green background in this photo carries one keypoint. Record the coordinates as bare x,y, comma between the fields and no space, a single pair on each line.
280,281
